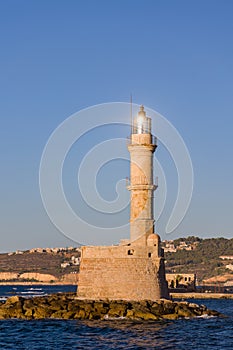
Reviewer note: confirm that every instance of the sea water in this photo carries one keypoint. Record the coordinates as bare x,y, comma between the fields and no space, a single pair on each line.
28,291
198,333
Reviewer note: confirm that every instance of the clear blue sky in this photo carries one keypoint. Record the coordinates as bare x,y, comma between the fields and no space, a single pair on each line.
57,57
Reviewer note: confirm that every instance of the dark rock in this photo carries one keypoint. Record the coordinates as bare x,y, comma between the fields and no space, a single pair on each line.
169,307
170,317
81,315
117,309
42,311
157,309
138,314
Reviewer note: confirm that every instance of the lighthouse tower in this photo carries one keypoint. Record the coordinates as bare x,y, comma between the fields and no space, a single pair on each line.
142,146
134,269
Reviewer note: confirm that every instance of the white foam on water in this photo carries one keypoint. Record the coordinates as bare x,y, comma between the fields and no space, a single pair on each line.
206,316
34,289
106,317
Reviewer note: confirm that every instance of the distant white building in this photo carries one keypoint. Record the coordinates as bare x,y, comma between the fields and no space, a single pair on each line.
65,264
75,260
33,250
169,248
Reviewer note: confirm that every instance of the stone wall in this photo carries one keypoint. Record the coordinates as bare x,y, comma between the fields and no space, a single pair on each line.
131,272
181,280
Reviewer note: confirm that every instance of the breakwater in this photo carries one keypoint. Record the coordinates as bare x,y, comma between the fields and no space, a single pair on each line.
67,306
196,295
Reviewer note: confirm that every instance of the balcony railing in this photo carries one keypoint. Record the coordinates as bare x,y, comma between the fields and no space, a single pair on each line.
154,140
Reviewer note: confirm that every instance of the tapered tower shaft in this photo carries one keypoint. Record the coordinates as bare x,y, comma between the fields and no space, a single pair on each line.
142,146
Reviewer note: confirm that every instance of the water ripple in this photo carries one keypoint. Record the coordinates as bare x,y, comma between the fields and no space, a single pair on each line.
198,333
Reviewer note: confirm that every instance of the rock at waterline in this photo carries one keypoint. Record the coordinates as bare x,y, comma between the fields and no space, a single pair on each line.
67,306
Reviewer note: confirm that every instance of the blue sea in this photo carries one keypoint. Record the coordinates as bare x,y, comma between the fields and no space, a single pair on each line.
199,333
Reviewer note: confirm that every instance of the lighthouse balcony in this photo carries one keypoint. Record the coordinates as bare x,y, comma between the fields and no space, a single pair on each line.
142,139
141,182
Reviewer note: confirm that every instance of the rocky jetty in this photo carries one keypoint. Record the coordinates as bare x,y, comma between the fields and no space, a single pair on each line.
67,306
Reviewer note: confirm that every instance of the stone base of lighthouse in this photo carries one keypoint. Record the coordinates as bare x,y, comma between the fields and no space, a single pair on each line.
132,271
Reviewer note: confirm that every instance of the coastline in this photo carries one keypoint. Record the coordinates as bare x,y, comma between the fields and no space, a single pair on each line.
194,295
191,295
37,283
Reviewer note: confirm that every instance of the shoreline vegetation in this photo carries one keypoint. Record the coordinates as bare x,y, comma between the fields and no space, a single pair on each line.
68,306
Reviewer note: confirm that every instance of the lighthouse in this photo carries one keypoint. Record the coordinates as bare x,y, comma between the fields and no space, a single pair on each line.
134,269
142,147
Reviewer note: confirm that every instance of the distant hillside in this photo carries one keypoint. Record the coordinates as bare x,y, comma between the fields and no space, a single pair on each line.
189,255
203,260
43,262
